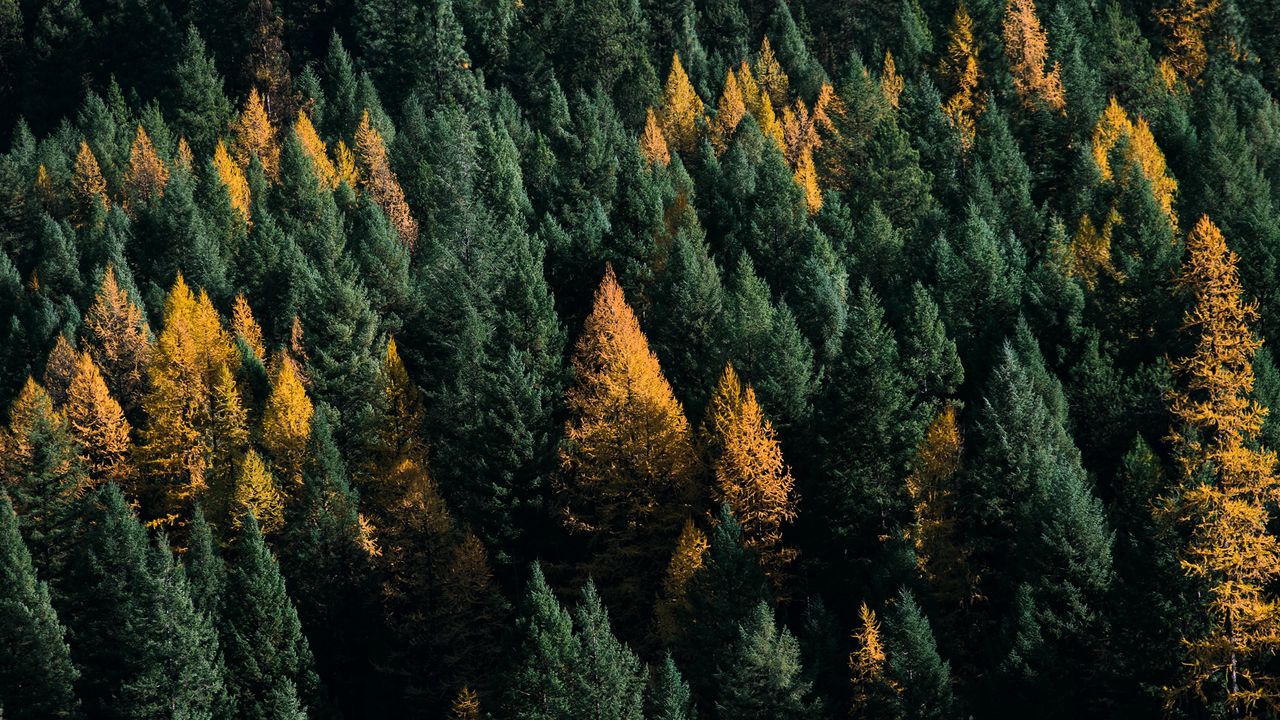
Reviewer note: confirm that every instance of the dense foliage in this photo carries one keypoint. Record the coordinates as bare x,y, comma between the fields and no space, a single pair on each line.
666,359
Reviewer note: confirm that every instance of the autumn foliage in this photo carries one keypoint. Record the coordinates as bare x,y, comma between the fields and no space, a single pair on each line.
1230,482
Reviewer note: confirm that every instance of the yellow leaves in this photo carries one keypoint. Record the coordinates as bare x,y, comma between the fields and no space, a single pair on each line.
255,136
246,327
466,706
189,352
807,178
32,411
940,555
729,112
751,477
682,109
769,125
256,492
98,425
86,178
1185,24
147,175
1230,545
345,165
286,422
652,144
866,663
315,149
1091,251
118,337
891,84
773,80
1027,46
1142,149
231,176
380,181
691,550
628,445
960,71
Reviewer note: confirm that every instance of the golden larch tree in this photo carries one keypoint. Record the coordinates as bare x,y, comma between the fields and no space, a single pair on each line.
729,112
770,75
1026,44
188,354
959,70
19,454
682,109
751,477
254,135
232,177
749,89
652,144
941,557
867,665
1090,257
770,127
246,327
1230,485
316,150
186,159
147,175
1185,24
87,182
344,164
466,705
99,427
806,176
690,552
379,180
286,423
116,334
228,440
628,463
1142,149
891,83
256,492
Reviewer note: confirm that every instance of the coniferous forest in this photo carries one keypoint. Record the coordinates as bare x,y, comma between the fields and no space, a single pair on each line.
639,359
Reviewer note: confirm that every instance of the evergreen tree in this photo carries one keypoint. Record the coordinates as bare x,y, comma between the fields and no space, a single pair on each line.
140,645
610,679
43,475
763,677
200,109
36,675
542,686
270,670
669,697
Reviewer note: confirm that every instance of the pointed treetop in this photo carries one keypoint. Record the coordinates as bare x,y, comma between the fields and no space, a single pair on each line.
232,176
652,144
254,135
315,149
147,175
245,326
682,109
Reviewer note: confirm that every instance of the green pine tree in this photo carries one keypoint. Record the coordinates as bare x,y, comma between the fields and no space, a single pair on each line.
37,679
762,677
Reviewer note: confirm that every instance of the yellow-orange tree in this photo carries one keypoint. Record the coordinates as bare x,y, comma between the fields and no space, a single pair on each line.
628,463
960,71
188,354
682,109
1231,483
751,477
1027,46
99,427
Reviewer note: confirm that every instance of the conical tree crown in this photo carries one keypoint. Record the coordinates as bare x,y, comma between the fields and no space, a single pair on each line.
99,426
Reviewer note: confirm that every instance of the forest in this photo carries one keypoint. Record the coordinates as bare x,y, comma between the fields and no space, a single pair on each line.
639,359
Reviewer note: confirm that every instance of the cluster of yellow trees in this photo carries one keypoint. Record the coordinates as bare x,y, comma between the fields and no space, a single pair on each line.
253,136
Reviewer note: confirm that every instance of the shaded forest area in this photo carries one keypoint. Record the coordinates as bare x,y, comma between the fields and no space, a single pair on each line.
639,359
